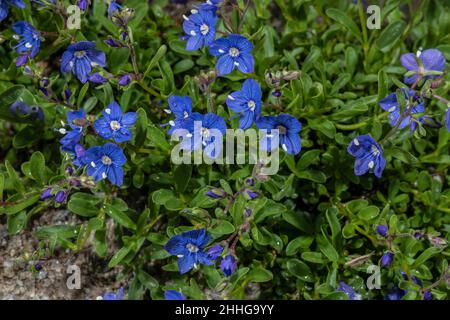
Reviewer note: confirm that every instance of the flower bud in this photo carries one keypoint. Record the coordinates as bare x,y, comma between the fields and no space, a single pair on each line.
215,251
382,230
46,194
124,80
228,265
61,196
386,259
216,193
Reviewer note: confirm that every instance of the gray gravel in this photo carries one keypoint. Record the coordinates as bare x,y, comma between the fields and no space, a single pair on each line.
20,280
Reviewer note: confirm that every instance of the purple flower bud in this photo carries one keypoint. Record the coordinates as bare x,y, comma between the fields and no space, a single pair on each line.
97,78
67,93
418,235
61,196
124,80
382,230
38,266
83,4
124,35
21,60
44,91
44,82
228,265
69,171
216,193
250,182
27,71
47,194
427,295
248,212
276,93
215,251
251,194
113,44
386,259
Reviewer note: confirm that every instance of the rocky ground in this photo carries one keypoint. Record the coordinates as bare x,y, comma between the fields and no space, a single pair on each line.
21,277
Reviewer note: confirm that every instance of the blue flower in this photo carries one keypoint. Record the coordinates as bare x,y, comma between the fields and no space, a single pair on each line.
181,107
228,265
391,105
113,7
4,7
113,296
215,251
288,132
174,295
80,156
106,162
368,154
447,119
382,230
349,291
246,102
80,57
189,248
210,5
233,51
200,29
76,121
386,259
429,60
114,124
212,126
30,40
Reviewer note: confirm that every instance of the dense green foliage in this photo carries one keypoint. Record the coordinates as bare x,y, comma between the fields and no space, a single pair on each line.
314,223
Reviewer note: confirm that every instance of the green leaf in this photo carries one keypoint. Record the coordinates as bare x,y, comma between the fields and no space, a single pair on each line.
14,178
383,84
120,217
141,127
390,35
182,175
154,61
300,270
368,213
15,205
37,167
119,256
343,19
259,274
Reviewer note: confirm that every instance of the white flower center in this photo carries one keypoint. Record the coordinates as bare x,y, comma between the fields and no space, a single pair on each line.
251,105
204,29
115,125
205,132
281,129
356,142
80,54
371,164
375,150
234,52
186,114
106,160
191,247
